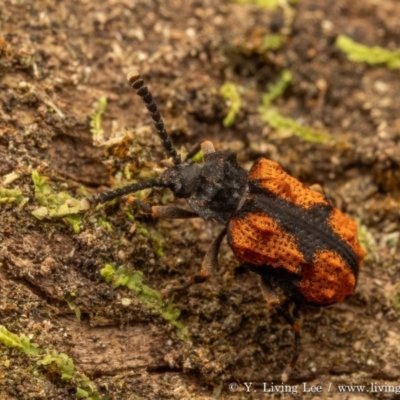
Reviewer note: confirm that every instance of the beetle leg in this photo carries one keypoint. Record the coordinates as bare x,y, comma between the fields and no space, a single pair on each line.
269,293
170,212
273,301
210,260
284,312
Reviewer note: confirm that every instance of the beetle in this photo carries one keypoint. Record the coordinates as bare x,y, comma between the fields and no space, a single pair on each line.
291,236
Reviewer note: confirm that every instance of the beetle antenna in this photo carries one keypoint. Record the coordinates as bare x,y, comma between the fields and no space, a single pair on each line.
113,194
144,93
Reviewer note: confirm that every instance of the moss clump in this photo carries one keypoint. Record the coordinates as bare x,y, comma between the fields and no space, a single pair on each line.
154,237
396,301
85,388
55,205
230,92
272,42
284,124
69,299
371,55
21,343
367,241
8,196
151,298
105,224
198,157
277,89
269,4
95,121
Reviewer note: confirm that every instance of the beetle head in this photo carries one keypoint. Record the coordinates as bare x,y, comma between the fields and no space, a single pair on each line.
182,179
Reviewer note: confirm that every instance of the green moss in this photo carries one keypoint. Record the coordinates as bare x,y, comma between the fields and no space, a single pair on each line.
272,42
73,306
363,235
75,221
154,237
42,189
65,365
158,243
284,124
21,343
277,89
396,301
230,93
151,298
108,272
198,157
85,389
95,120
141,229
133,281
366,239
55,205
104,223
269,4
371,55
8,196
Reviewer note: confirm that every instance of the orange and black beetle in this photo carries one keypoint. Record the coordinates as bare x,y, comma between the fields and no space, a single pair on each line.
288,234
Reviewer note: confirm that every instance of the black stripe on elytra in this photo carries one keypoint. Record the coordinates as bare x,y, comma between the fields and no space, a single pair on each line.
309,227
